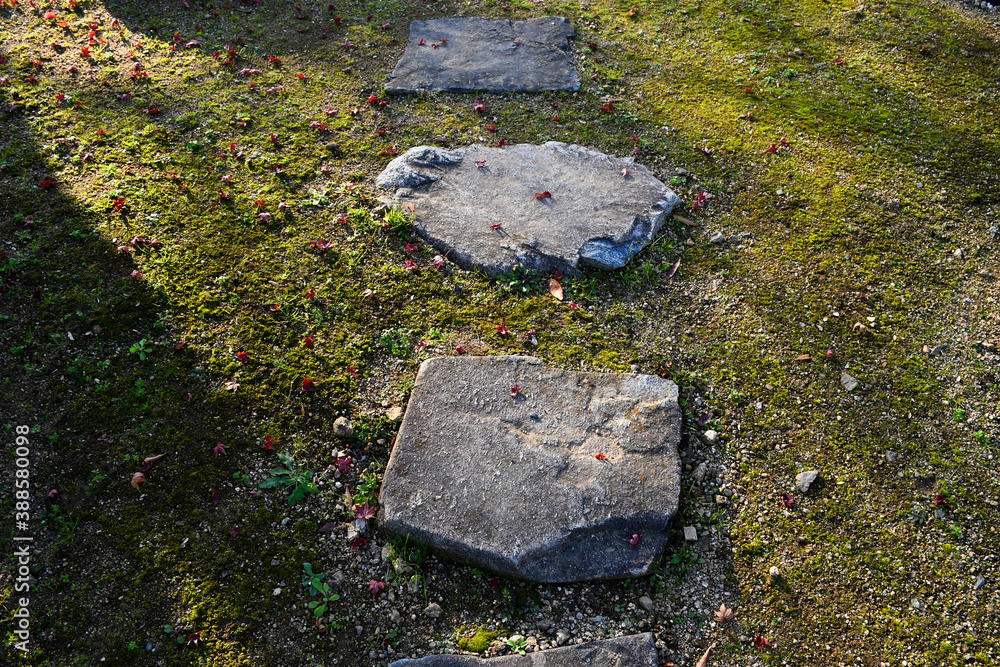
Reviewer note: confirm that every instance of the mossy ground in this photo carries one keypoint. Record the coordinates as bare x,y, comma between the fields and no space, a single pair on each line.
884,122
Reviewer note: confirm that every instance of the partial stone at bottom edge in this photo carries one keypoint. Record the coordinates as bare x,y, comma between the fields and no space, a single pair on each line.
629,651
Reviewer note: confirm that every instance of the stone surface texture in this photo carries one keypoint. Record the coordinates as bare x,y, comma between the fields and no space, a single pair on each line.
513,484
495,55
805,479
595,217
629,651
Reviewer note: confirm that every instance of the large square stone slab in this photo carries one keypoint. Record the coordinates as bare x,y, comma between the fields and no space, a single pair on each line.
629,651
514,484
558,206
465,54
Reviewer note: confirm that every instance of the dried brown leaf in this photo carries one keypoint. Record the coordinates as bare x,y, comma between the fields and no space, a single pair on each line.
704,659
137,479
555,289
724,614
803,357
149,460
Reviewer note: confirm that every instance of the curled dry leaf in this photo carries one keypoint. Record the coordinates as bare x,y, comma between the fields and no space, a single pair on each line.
803,357
673,269
555,289
137,479
704,659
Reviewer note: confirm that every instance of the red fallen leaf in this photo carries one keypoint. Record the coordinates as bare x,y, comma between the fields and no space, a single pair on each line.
136,275
328,527
543,195
344,463
337,20
939,499
194,637
624,173
53,493
308,342
353,373
515,390
46,184
235,531
706,150
479,106
491,128
838,61
50,14
760,642
803,357
311,294
308,385
501,143
243,357
219,449
268,442
180,345
137,479
410,265
748,90
495,227
673,269
410,247
608,108
829,354
600,456
771,149
636,539
502,330
573,306
787,500
187,397
783,141
375,586
152,111
459,350
481,164
358,542
555,289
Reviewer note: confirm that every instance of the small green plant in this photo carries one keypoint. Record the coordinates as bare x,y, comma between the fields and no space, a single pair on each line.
367,491
132,646
958,415
96,478
520,279
291,475
397,341
66,524
981,438
143,348
395,219
318,587
241,477
683,560
517,644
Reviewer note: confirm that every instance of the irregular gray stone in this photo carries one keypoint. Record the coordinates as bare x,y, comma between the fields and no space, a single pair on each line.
395,413
486,54
433,610
342,427
710,437
805,479
646,603
849,381
690,534
628,651
595,217
514,484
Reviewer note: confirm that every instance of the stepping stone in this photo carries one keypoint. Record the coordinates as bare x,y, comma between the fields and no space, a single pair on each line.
510,479
561,207
629,651
465,54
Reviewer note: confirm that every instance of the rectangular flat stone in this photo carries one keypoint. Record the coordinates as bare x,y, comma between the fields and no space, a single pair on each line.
628,651
466,54
535,472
